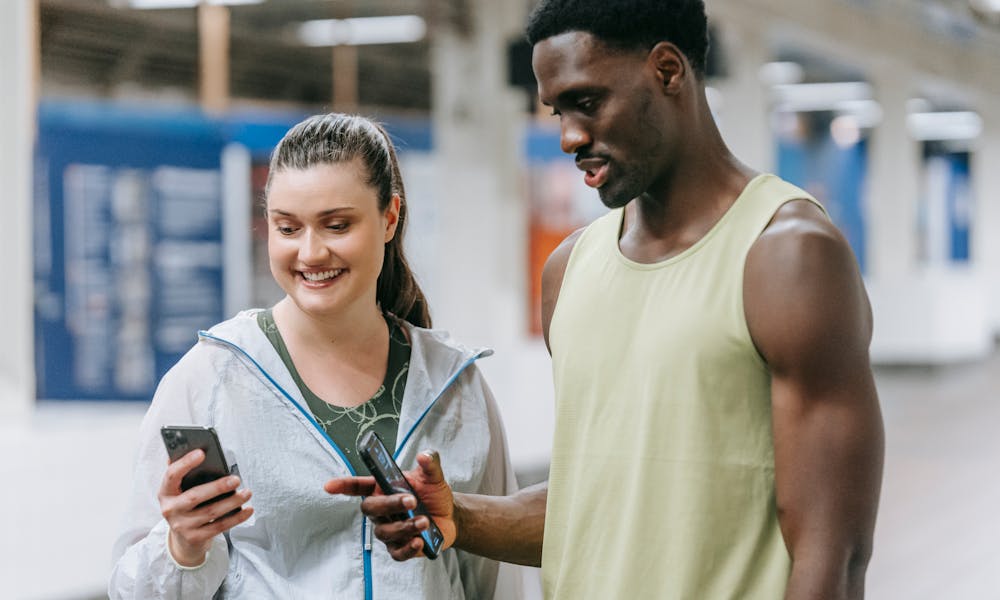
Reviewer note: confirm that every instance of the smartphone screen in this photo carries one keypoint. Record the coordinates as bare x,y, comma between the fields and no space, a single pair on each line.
390,478
181,439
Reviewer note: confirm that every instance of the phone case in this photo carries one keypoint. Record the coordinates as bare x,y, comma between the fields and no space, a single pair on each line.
390,478
181,439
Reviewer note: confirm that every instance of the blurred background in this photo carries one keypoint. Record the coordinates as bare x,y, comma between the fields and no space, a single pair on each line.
136,138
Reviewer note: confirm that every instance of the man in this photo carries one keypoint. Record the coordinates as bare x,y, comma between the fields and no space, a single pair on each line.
718,433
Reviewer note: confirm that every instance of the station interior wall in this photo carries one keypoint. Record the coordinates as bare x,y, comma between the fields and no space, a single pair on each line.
70,462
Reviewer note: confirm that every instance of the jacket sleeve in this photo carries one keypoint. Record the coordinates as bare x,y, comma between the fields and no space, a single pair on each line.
482,577
143,567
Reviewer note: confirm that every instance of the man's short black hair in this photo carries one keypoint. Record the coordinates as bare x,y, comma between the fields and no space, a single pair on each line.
628,24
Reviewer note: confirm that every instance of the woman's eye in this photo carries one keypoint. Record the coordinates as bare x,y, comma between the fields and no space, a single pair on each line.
337,227
283,230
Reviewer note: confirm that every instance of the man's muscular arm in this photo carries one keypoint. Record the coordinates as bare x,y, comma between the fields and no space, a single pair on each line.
809,316
505,528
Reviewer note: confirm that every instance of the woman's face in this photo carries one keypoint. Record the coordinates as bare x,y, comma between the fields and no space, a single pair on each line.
326,236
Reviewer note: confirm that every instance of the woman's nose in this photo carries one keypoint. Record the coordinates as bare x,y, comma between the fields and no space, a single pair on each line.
312,249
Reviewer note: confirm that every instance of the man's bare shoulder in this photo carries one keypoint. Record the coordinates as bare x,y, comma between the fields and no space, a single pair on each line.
802,286
552,277
800,235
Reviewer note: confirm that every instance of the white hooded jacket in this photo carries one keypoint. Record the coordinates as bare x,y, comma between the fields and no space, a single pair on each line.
301,542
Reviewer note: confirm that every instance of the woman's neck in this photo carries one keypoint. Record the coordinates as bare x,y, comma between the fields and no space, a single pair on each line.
348,332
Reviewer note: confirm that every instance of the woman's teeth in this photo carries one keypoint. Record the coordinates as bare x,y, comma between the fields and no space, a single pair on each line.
322,276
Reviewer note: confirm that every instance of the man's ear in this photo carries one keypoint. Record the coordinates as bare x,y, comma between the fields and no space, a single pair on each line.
671,66
392,217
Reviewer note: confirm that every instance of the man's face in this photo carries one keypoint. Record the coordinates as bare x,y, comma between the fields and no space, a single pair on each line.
610,112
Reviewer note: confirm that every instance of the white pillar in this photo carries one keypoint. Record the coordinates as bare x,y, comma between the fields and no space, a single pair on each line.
744,113
893,180
481,212
481,220
18,55
985,173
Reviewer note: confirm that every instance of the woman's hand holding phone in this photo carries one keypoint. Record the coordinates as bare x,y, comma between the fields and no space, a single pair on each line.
193,523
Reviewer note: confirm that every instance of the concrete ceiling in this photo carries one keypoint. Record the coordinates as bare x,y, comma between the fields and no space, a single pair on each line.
98,48
93,48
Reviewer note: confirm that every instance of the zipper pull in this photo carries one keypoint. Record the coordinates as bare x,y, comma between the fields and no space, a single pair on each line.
368,535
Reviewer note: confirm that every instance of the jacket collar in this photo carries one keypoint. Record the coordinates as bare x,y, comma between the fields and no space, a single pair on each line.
436,361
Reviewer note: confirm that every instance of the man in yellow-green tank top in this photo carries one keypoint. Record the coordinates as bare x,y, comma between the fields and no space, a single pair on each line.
718,434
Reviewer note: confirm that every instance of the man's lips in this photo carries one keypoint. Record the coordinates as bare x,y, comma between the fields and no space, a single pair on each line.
596,170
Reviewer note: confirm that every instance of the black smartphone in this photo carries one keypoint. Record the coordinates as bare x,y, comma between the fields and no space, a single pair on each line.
391,480
181,439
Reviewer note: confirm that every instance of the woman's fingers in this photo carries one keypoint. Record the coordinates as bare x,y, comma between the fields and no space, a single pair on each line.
176,471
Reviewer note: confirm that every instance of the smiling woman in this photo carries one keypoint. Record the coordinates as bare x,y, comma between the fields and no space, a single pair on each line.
291,389
326,238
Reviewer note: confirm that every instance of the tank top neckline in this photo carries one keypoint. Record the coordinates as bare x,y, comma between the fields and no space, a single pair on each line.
690,251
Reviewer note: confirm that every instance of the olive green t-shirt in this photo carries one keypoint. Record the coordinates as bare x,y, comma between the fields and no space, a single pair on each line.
345,426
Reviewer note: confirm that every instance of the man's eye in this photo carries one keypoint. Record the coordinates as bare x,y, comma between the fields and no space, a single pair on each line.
285,230
337,227
587,104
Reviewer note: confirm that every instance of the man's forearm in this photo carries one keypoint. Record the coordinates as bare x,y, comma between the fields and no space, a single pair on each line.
826,576
505,528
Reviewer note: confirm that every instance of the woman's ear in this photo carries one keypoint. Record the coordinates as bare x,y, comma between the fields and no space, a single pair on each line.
392,217
670,65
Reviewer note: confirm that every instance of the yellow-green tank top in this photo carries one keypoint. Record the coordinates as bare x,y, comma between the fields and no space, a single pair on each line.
662,477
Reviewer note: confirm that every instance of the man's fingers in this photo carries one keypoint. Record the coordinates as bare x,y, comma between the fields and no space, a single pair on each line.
386,508
400,533
351,486
401,538
411,550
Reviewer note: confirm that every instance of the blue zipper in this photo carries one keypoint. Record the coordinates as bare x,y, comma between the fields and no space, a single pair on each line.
366,550
304,412
461,369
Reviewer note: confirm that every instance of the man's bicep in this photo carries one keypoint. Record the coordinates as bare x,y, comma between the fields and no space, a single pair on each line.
809,316
828,466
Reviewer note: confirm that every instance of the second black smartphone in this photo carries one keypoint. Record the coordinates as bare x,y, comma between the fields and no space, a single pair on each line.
378,460
181,439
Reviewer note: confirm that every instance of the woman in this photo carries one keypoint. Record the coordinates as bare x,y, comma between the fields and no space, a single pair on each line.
291,389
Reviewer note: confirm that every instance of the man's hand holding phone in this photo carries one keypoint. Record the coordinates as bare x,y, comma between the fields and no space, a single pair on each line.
403,537
200,512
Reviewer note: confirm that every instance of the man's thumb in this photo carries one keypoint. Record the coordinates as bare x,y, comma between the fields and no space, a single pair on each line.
430,466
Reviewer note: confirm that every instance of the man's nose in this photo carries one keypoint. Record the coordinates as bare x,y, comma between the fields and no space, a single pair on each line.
572,136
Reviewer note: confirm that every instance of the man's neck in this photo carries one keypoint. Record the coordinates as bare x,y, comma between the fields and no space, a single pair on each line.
686,205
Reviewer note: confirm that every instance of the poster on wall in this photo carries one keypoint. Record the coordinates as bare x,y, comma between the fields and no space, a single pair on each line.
559,203
128,248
